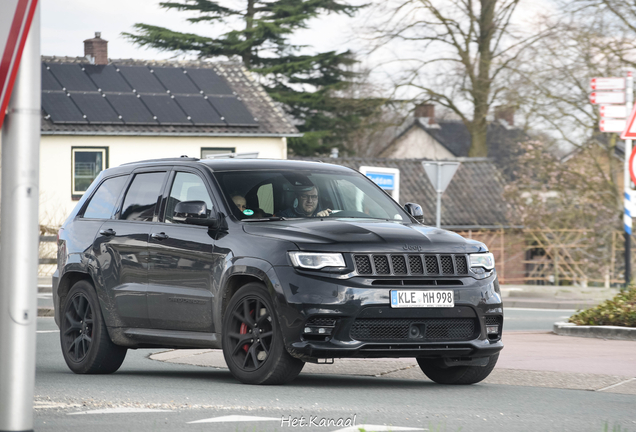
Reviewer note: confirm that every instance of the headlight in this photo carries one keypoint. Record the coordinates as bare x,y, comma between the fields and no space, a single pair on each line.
316,260
483,260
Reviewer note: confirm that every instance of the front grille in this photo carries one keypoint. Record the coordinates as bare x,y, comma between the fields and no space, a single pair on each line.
399,264
460,261
411,264
431,264
381,263
321,322
493,320
376,329
415,262
363,264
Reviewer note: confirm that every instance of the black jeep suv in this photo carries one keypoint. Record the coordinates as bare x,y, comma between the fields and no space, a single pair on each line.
278,263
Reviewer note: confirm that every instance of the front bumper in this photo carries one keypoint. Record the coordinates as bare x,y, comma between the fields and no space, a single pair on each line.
324,316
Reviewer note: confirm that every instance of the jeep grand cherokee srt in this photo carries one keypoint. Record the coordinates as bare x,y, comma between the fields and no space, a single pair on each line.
277,263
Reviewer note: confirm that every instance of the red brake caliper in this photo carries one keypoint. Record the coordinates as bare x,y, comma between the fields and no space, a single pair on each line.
243,330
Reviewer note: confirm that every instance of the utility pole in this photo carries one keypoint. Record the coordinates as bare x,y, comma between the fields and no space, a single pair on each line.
20,239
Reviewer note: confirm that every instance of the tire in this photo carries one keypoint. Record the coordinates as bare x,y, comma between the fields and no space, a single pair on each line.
458,375
252,340
86,346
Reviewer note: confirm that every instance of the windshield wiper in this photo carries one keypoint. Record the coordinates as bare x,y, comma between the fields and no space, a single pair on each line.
267,219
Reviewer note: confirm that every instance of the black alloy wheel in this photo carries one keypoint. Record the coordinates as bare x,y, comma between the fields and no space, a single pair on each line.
78,336
86,345
252,342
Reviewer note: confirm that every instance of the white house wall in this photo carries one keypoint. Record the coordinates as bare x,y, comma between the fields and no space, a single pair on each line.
417,144
55,160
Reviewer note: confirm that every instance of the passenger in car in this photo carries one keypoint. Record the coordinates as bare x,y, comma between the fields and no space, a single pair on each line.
240,202
306,204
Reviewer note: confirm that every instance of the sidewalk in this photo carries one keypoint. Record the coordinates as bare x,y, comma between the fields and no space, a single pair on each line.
533,359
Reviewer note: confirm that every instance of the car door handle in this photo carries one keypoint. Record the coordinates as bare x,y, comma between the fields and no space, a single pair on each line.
159,236
108,232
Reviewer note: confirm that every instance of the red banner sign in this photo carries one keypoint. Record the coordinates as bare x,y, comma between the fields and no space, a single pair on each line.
15,22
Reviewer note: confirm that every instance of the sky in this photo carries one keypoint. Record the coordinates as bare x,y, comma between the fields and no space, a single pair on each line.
67,23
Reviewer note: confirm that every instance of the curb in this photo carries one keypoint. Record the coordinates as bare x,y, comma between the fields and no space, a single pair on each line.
601,332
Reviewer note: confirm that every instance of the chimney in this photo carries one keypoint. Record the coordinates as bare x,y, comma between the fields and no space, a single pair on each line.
426,111
96,50
505,113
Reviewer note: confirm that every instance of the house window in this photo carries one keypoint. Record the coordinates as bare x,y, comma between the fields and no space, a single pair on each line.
206,151
86,164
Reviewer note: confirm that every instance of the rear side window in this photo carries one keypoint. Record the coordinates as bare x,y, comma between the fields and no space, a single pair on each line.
103,202
142,197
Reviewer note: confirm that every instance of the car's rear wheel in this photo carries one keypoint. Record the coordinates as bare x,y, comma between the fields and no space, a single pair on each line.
86,346
252,341
436,371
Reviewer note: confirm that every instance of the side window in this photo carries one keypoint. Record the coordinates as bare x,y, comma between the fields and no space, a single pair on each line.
266,198
187,187
86,164
142,196
103,202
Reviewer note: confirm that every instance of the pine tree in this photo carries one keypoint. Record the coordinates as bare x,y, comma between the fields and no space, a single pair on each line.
310,87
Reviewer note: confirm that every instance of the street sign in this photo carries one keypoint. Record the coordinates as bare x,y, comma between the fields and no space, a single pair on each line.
632,169
440,174
607,83
387,178
607,97
441,179
612,125
15,21
629,133
613,111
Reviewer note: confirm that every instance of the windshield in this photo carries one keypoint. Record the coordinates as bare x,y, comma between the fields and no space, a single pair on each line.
255,195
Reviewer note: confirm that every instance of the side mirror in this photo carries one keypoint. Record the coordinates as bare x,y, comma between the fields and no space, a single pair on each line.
415,210
193,213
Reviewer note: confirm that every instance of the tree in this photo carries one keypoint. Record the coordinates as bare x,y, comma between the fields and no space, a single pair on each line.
309,86
459,50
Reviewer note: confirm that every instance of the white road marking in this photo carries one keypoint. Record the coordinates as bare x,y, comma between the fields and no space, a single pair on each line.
617,384
48,331
377,428
540,310
120,411
236,418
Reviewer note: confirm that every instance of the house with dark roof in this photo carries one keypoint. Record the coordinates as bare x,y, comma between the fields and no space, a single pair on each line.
425,136
98,112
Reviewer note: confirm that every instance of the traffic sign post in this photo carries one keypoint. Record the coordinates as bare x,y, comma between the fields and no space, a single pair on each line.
628,201
440,174
614,111
617,118
19,224
607,97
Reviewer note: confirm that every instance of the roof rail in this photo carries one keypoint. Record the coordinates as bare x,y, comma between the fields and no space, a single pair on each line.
179,159
244,155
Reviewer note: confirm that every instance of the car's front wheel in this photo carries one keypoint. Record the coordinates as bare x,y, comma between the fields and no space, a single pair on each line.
437,372
86,346
252,341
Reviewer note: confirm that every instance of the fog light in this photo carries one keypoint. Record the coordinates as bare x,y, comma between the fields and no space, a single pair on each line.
492,329
318,330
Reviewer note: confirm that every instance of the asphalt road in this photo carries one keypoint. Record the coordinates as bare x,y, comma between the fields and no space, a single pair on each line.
147,395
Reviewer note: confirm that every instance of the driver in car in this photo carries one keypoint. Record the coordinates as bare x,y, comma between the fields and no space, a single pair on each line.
306,205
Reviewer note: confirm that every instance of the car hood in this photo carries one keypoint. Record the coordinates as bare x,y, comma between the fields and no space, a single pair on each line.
364,235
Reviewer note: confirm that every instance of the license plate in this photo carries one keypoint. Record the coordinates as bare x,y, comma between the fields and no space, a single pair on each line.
422,299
